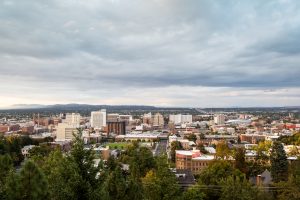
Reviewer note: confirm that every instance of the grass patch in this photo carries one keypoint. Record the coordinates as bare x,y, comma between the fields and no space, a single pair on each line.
118,145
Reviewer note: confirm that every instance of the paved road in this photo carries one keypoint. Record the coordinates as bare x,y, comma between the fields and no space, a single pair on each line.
161,148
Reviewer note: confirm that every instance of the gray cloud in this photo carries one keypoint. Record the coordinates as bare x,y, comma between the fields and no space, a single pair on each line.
92,47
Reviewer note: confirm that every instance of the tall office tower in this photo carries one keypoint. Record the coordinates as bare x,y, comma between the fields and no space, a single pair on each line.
73,119
219,119
179,118
158,120
98,119
147,118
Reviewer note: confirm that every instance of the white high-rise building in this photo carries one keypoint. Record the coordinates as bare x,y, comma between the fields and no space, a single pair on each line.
73,119
98,119
179,118
219,119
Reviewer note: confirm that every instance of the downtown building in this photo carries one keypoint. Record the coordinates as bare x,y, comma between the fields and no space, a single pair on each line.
98,119
179,119
158,120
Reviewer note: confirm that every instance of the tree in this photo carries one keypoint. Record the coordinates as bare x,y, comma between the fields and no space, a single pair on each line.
84,166
115,185
62,176
279,163
193,193
262,150
151,186
12,187
214,174
6,165
202,149
240,161
30,183
160,183
191,137
290,189
222,150
238,188
73,176
202,136
294,151
175,146
135,189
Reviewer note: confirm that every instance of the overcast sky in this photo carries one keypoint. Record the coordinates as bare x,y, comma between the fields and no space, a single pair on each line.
201,53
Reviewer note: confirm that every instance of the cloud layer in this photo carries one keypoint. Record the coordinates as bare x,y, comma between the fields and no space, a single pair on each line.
157,52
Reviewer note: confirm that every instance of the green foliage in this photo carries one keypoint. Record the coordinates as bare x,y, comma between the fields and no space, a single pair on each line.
238,188
240,162
202,149
290,189
256,167
193,193
6,165
222,151
160,183
115,185
290,140
191,137
140,159
175,146
62,176
29,184
262,150
215,173
279,163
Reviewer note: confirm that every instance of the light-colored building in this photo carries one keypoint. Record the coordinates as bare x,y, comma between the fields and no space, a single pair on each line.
73,119
25,150
147,118
219,119
113,117
65,131
179,118
158,120
98,119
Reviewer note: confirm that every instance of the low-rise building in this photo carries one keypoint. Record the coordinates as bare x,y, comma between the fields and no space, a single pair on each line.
193,160
25,150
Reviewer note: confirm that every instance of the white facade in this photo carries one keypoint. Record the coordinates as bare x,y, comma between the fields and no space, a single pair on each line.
219,119
179,118
98,119
25,150
65,131
73,119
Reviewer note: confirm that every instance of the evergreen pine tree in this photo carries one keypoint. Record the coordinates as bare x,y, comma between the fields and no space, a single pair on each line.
33,184
279,163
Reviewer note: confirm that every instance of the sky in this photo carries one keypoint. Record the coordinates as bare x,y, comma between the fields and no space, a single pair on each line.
187,53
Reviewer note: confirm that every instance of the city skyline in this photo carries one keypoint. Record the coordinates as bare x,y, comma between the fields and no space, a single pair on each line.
160,53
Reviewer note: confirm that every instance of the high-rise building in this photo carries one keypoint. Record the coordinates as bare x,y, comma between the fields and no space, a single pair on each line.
65,131
219,119
118,128
179,118
73,119
158,120
147,118
98,119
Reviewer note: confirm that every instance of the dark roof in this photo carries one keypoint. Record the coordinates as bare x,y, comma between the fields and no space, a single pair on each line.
185,177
